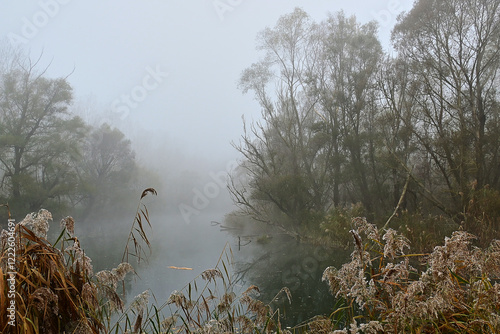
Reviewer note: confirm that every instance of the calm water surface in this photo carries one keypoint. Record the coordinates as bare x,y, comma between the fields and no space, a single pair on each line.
270,261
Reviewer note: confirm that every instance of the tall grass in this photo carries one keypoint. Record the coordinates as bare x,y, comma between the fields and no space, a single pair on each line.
57,291
54,292
208,304
455,289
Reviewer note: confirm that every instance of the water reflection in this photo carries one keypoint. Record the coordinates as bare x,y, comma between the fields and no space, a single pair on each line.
274,260
262,257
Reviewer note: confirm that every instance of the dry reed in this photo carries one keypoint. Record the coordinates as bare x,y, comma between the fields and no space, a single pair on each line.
456,291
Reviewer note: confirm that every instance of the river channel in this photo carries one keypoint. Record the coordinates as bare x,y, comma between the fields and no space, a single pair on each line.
270,261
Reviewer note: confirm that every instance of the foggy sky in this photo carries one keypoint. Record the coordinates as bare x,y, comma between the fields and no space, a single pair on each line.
178,61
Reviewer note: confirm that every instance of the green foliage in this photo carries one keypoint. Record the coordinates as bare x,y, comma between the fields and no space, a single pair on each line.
423,231
39,140
453,119
334,229
106,169
50,158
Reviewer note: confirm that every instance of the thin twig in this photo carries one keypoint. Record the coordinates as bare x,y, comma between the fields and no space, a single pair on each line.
400,200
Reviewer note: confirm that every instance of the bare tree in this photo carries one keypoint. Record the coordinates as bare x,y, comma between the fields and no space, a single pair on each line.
282,153
451,48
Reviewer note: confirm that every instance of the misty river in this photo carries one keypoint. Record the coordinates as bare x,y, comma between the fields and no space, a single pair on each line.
199,244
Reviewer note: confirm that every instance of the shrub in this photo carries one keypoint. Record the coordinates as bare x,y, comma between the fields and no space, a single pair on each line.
424,232
52,286
482,214
334,229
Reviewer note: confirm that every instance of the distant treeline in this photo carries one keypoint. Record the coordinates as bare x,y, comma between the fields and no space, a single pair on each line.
344,122
50,158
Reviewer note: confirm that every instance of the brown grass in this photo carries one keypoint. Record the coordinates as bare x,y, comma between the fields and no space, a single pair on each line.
456,290
56,290
52,286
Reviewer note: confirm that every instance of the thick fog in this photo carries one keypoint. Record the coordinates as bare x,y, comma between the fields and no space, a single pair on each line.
165,72
260,165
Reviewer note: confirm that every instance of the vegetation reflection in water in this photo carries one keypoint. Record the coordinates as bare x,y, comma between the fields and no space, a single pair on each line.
342,122
273,260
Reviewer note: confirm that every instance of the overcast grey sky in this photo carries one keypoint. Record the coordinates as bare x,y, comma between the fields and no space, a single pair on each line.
168,68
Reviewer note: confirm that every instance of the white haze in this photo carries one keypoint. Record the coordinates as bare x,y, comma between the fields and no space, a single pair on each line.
165,73
109,47
186,56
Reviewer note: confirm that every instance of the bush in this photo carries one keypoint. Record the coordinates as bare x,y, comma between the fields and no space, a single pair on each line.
334,229
482,214
424,232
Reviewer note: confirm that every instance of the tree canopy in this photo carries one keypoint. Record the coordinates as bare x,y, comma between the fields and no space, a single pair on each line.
343,122
49,157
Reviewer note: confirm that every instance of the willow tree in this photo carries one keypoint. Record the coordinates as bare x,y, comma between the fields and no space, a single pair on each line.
288,177
315,145
105,171
345,82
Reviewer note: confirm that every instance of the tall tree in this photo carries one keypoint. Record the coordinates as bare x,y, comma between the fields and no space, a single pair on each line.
287,176
316,87
345,83
39,139
452,50
106,169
